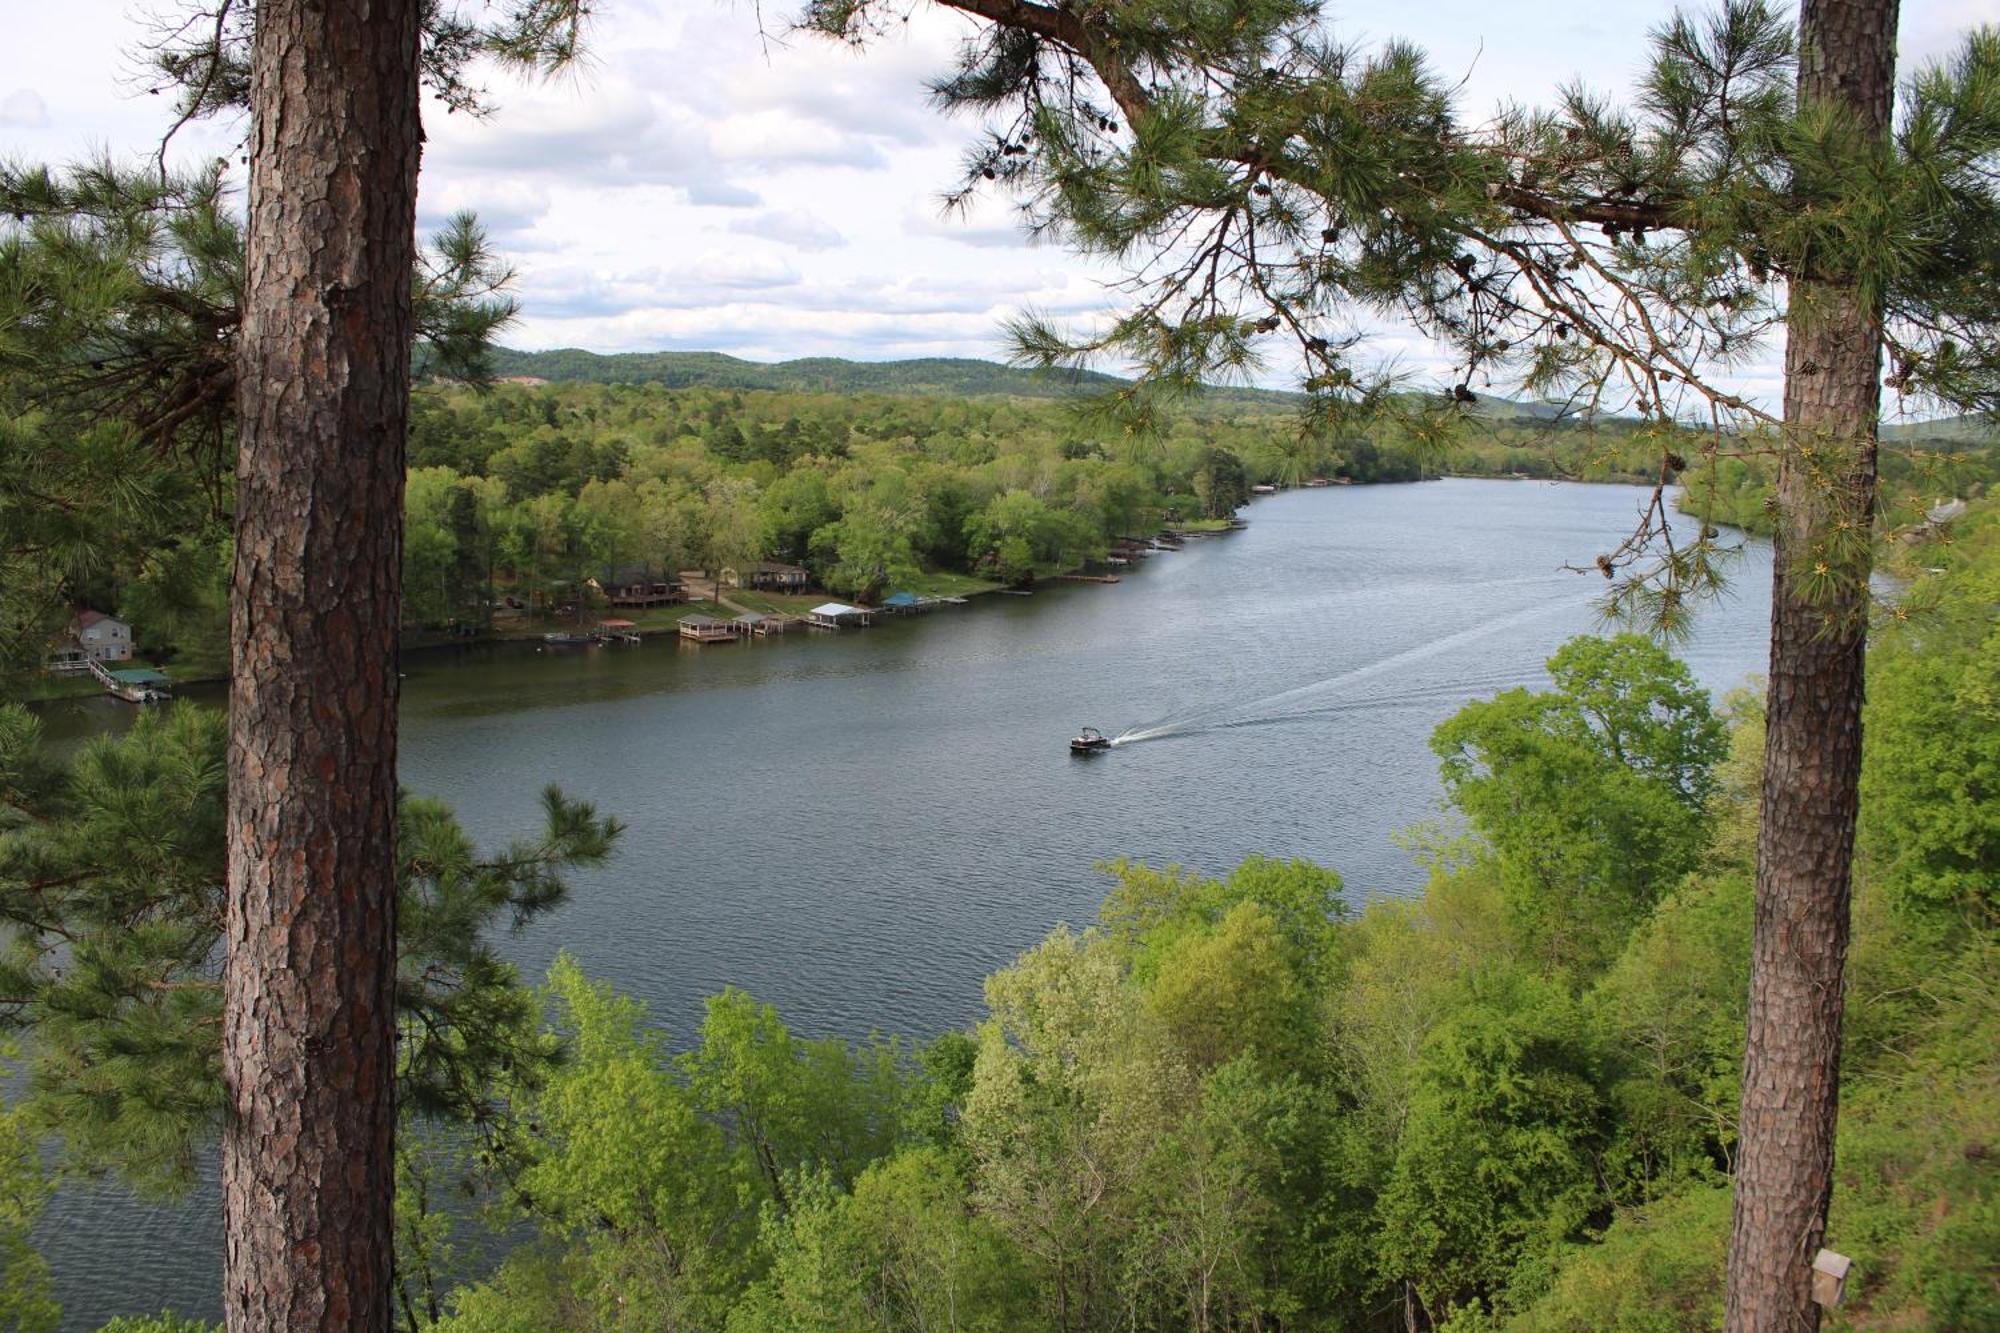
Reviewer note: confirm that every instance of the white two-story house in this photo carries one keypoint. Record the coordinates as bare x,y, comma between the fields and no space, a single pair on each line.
93,637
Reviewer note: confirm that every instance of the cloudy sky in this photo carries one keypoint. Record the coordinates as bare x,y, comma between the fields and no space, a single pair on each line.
702,186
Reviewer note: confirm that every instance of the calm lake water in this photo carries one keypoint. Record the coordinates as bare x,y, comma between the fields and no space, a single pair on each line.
858,826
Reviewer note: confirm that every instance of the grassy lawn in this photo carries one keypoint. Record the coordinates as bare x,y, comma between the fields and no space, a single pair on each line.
777,603
659,619
206,662
1200,525
947,584
61,685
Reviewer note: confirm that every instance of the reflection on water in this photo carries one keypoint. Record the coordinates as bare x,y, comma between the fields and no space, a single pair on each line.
857,826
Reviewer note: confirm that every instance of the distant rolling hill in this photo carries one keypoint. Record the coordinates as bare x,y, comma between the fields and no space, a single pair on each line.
951,376
1975,430
941,376
954,377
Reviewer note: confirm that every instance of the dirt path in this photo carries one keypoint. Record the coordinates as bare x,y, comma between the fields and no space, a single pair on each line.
701,588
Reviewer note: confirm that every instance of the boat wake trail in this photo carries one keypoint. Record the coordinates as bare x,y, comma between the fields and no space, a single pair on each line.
1309,701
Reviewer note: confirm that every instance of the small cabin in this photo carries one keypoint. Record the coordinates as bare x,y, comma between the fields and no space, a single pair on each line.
766,574
706,629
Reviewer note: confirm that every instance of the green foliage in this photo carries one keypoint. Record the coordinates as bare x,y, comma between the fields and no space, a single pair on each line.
1267,189
677,1178
111,882
1917,1188
83,509
1658,1269
1933,764
617,1149
899,1252
1591,795
1229,990
1498,1162
27,1302
120,292
160,1323
792,1104
1674,1007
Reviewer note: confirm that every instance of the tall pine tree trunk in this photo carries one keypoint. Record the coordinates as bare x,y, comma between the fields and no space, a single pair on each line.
1812,753
308,1041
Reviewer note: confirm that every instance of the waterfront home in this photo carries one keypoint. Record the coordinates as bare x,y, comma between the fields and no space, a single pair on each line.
641,587
832,615
706,629
93,636
766,574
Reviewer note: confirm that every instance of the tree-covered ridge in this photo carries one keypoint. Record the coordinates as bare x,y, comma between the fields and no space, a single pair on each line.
1970,429
950,376
531,492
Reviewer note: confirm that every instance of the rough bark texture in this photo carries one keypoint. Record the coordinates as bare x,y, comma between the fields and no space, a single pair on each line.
1812,753
308,1042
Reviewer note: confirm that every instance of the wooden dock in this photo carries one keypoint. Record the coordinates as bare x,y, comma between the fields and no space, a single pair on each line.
135,685
1088,578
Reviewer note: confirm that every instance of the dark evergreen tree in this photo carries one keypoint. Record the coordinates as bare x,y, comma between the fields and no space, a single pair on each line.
112,872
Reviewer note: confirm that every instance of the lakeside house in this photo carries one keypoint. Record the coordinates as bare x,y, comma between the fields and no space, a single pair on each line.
768,575
93,636
640,587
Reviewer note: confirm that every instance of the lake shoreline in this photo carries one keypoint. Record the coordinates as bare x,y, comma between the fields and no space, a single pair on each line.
421,646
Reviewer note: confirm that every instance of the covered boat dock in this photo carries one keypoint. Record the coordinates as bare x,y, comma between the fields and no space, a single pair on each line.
832,615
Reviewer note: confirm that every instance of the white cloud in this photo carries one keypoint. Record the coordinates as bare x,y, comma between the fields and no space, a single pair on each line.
794,227
23,109
509,209
781,138
721,194
659,196
987,224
